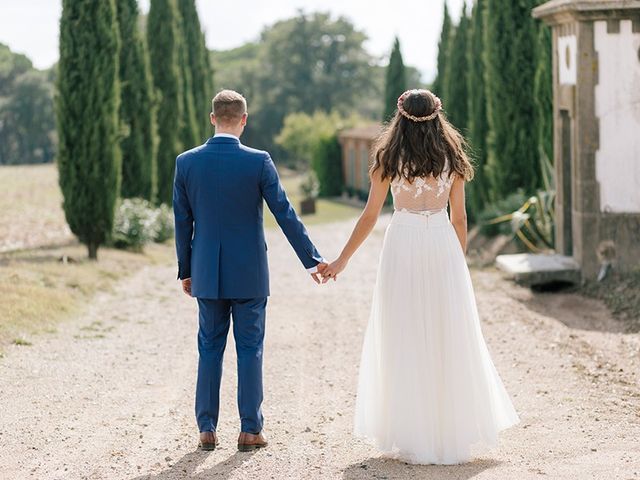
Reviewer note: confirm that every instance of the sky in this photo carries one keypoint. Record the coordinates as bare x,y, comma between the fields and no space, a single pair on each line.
31,26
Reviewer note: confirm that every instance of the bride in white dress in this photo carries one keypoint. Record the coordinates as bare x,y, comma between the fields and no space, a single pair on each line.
428,390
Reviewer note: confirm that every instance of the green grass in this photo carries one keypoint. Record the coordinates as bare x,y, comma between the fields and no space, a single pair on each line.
327,210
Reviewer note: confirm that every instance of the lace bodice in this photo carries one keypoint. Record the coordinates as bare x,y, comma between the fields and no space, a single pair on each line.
423,195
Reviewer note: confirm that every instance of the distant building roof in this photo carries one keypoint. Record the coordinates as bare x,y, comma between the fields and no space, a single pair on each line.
367,132
558,6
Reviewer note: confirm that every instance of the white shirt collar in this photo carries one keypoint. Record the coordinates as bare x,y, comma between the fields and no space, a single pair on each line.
227,135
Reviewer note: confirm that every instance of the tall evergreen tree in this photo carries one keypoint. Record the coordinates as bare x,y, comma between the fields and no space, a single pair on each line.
455,88
396,81
190,129
199,66
543,91
137,108
510,64
87,104
477,105
163,34
443,51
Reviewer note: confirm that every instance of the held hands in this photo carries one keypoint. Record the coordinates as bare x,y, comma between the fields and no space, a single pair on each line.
332,270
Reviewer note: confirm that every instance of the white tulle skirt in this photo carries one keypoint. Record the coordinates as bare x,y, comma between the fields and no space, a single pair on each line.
428,391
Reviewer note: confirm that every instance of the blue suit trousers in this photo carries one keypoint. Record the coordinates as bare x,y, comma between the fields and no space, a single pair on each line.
248,331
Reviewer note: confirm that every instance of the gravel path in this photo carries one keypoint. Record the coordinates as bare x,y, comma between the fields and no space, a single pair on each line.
110,395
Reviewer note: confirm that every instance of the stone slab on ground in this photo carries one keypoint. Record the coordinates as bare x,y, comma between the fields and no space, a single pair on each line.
539,269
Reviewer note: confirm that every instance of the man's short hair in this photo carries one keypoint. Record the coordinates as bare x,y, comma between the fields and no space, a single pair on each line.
228,106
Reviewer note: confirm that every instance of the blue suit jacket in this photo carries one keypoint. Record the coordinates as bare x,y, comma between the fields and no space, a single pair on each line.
218,195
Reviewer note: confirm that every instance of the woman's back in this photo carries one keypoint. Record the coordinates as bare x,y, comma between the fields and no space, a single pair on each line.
423,194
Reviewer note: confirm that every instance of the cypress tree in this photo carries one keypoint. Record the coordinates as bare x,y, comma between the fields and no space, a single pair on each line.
190,132
543,88
137,108
164,42
443,51
510,62
396,81
87,104
198,65
455,88
477,99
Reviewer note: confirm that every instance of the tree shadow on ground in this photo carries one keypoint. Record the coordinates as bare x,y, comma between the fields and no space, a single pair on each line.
186,467
377,468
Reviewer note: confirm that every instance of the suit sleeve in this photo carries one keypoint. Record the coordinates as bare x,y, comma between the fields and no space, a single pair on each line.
183,225
286,217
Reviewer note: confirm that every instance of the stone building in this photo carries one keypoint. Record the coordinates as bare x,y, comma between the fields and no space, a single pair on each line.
357,145
596,77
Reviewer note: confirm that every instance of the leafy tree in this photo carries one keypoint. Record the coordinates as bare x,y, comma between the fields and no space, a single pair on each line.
543,88
137,108
477,126
87,106
163,37
443,51
307,63
395,82
455,86
198,66
510,62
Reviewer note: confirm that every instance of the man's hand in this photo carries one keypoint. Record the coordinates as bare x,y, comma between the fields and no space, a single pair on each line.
186,286
316,276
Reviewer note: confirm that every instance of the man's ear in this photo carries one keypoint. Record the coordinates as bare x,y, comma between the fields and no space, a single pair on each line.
244,119
213,119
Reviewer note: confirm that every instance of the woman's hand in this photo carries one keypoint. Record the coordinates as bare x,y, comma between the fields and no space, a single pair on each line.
334,269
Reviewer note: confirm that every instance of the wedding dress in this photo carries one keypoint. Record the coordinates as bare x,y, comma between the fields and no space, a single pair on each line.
428,390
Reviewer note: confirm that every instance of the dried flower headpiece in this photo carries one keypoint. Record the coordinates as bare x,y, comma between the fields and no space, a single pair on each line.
436,110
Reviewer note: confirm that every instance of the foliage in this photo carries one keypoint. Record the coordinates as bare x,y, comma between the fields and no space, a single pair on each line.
455,81
190,126
543,88
533,222
137,108
477,128
443,52
510,63
499,209
137,223
395,82
327,163
310,187
303,64
134,224
87,105
164,226
301,133
27,134
198,65
163,37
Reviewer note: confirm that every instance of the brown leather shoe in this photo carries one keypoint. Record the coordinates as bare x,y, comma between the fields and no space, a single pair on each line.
208,441
248,442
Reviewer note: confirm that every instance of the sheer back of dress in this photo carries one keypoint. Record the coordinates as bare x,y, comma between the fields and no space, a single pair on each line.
423,195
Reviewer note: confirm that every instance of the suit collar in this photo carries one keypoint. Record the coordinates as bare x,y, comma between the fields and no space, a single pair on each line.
223,139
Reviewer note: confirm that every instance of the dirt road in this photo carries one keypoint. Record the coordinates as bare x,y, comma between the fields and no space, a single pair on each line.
110,394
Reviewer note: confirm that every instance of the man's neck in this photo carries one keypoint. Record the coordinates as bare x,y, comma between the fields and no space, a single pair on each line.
220,131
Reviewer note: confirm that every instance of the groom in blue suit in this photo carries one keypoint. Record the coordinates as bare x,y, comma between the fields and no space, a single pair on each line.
218,196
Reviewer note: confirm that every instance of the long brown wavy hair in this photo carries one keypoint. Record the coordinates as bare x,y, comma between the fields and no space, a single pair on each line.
411,149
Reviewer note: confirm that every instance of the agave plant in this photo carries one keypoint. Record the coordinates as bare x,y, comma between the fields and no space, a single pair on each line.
534,222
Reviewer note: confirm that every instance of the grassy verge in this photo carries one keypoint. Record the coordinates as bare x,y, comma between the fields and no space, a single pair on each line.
327,210
621,293
39,289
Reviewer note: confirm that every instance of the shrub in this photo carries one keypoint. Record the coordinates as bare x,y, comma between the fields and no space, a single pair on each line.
310,186
134,224
164,227
495,210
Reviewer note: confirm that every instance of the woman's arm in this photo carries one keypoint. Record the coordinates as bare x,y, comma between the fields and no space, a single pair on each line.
458,211
366,222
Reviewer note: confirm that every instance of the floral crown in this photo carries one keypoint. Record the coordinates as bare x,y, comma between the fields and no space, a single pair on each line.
436,110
